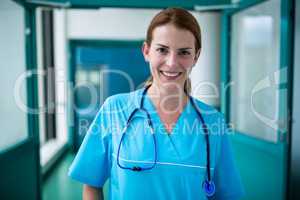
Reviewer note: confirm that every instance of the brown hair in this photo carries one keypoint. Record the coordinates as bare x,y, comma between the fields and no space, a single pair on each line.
181,19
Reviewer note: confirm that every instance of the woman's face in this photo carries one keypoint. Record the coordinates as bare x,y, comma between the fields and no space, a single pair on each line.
171,56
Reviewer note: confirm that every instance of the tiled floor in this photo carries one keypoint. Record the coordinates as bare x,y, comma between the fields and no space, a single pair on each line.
59,186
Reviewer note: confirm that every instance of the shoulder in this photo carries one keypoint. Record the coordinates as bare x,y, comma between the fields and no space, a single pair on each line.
114,111
124,97
122,101
214,119
207,110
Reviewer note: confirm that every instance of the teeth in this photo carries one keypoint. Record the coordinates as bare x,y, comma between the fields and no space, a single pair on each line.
172,74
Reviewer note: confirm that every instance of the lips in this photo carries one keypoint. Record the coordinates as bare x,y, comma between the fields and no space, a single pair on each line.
170,75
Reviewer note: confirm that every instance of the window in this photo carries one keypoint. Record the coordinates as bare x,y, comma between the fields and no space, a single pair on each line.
255,62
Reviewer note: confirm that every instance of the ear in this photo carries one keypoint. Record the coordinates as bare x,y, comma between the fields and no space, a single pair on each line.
146,50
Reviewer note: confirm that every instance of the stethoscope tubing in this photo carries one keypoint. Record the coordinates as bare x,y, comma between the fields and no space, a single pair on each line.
208,185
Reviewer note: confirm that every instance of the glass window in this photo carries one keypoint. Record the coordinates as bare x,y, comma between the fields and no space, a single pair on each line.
13,120
255,57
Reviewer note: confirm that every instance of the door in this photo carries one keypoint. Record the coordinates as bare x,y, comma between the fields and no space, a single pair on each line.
257,96
294,172
19,149
102,68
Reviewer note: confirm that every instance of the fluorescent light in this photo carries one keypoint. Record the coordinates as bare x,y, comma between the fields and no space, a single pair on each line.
215,7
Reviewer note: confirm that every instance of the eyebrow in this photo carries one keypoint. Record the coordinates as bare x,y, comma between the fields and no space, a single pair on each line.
184,48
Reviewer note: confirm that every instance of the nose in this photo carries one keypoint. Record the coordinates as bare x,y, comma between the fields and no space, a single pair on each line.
172,60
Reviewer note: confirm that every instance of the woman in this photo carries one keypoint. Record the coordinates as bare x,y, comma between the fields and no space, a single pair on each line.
158,142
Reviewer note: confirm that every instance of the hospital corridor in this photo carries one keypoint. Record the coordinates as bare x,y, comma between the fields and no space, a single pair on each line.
74,80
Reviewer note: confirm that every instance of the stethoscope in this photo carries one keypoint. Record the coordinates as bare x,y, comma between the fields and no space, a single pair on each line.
208,184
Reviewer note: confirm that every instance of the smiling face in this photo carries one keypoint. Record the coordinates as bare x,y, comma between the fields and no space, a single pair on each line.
171,56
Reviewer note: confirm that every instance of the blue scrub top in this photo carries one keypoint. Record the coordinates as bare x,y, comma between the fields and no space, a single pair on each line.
181,162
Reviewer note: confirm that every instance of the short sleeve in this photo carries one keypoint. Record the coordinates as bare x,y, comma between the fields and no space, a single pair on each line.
227,178
92,163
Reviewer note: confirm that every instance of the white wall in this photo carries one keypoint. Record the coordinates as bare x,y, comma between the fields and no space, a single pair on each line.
131,24
206,74
61,71
108,23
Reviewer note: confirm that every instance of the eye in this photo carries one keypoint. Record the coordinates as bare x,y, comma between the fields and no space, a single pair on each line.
184,53
162,50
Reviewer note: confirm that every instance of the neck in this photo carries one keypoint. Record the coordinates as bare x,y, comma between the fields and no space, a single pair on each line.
169,101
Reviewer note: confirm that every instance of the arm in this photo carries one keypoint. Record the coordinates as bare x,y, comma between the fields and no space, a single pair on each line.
92,193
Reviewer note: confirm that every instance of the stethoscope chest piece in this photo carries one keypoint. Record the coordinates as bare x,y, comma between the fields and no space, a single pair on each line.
209,188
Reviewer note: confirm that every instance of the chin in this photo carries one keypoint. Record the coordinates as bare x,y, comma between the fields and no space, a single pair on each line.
171,86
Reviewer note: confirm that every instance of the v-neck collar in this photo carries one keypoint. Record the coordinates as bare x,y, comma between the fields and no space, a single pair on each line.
155,116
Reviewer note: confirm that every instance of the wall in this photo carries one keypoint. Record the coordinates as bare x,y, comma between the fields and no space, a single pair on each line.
131,24
13,116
